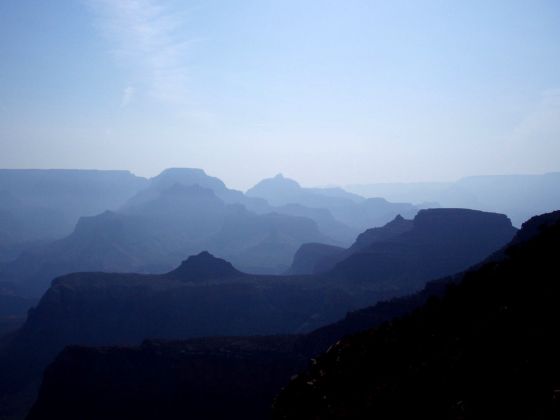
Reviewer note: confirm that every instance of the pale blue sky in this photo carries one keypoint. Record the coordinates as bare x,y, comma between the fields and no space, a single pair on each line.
327,92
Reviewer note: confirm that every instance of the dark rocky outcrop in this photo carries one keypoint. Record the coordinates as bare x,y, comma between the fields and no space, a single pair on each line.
56,399
440,242
204,297
215,378
204,267
142,380
486,349
404,254
321,258
13,308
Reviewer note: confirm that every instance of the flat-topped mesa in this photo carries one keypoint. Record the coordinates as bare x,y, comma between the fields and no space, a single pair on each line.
204,267
434,238
456,219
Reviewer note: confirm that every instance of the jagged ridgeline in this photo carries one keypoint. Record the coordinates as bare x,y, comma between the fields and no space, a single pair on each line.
180,258
208,296
487,348
113,221
474,345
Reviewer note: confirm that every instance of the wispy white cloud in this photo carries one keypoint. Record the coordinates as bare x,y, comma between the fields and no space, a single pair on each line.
127,95
543,120
146,41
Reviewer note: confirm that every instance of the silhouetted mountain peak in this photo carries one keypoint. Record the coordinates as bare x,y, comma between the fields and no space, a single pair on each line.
485,348
392,229
279,183
202,267
535,225
188,177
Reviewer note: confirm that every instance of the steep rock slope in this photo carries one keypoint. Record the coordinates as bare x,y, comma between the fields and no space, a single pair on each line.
487,349
440,242
404,254
321,258
170,380
308,258
205,296
73,380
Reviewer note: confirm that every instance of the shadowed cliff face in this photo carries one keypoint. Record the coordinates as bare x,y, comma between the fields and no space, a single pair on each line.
215,378
230,372
487,349
204,296
309,258
321,258
440,242
208,296
404,254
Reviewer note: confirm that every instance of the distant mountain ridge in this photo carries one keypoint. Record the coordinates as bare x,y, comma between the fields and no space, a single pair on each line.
157,227
69,381
280,190
39,205
404,254
149,225
486,348
207,296
321,258
350,209
518,196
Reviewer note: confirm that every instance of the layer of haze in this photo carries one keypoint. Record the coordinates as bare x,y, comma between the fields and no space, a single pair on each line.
324,91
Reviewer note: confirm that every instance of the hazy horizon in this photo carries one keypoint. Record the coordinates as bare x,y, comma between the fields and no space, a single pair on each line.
326,93
285,175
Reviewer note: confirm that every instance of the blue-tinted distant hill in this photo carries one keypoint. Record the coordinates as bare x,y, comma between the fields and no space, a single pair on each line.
252,370
519,196
487,347
352,210
64,195
40,205
402,255
156,228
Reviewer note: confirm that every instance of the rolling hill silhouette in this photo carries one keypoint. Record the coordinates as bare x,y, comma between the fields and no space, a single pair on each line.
237,377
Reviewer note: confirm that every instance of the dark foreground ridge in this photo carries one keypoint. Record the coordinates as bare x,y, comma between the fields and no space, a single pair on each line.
214,378
223,378
487,349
